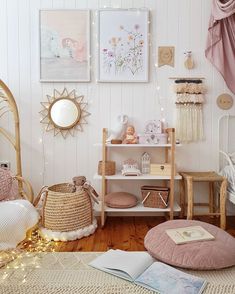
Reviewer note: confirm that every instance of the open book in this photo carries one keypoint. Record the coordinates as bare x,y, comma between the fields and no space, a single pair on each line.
189,234
141,269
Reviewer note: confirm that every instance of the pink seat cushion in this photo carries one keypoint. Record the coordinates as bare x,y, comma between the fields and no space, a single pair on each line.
120,200
203,255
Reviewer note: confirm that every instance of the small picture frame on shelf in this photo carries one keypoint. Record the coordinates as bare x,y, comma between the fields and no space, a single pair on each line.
153,127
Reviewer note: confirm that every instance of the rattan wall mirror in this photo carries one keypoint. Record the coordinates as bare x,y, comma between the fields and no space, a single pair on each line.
64,112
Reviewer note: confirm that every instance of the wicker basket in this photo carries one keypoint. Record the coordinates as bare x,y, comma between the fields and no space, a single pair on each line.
110,168
66,208
155,196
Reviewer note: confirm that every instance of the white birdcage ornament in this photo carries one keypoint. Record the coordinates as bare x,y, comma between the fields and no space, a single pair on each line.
145,163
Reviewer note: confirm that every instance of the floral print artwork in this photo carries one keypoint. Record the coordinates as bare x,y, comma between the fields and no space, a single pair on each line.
125,54
123,45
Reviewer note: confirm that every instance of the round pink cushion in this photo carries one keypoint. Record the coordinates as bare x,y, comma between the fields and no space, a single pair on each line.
120,200
203,255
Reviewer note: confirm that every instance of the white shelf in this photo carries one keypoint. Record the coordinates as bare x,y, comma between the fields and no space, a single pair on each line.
136,209
119,176
135,145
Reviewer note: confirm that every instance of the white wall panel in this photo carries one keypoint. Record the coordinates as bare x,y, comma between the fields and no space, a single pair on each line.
48,159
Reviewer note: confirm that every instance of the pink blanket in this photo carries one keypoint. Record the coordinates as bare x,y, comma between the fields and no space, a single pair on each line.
220,48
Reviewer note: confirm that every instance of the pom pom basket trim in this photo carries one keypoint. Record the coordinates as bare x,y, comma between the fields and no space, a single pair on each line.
68,236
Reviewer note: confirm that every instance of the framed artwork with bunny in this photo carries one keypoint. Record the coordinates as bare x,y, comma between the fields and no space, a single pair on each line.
64,45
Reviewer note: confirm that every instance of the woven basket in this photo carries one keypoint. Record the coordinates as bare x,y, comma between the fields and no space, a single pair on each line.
154,196
66,208
110,168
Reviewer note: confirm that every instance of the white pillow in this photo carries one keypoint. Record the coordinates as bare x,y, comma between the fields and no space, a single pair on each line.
16,218
229,172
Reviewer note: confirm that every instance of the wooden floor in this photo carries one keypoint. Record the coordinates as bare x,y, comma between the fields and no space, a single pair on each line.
126,233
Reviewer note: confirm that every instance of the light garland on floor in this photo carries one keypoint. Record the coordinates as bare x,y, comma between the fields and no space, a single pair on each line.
18,261
26,257
35,243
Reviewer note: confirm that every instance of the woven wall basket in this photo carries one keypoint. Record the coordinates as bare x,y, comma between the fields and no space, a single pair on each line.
66,208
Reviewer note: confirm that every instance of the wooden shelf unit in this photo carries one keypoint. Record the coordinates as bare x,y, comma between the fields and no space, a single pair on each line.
137,210
169,158
119,176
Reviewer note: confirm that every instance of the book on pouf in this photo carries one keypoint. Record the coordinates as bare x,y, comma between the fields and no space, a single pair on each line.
143,270
189,234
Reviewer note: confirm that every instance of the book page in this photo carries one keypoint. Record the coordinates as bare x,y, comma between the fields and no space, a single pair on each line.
127,265
168,280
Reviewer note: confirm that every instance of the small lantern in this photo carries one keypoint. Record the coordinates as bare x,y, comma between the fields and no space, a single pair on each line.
145,163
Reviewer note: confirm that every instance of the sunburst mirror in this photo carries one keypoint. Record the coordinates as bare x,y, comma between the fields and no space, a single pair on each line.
64,112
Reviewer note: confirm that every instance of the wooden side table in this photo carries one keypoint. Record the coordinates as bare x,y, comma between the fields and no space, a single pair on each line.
211,177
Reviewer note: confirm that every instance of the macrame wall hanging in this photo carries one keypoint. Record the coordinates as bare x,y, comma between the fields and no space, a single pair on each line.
189,115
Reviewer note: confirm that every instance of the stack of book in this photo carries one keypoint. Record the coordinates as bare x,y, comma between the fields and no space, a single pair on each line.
189,234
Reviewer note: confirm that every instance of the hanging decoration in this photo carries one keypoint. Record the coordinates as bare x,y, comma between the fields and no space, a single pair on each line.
220,48
188,63
224,101
64,112
189,116
166,56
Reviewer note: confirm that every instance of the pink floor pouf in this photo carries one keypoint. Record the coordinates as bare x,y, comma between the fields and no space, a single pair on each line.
201,255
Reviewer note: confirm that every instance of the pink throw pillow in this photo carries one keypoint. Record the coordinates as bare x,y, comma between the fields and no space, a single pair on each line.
6,181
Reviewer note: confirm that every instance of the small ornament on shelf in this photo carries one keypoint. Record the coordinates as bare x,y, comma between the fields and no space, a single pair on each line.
153,133
153,127
130,136
145,162
130,168
116,133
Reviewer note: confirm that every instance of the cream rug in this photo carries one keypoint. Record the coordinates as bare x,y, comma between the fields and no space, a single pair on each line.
68,273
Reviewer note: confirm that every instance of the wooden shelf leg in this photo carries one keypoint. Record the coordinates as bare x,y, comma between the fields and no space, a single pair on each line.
182,198
172,181
190,197
104,181
223,193
211,198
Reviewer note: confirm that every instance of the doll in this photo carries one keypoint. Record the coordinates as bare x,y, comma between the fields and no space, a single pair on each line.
130,136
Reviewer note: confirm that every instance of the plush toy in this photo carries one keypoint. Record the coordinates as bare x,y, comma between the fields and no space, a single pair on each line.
130,136
119,128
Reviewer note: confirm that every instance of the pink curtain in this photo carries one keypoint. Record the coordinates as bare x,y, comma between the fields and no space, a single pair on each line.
220,48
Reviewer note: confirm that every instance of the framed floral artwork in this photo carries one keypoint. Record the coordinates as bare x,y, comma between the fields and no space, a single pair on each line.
123,45
64,45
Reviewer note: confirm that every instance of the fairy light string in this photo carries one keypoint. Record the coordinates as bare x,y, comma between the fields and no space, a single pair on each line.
20,262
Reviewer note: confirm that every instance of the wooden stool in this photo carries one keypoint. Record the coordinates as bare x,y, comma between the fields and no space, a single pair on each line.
211,177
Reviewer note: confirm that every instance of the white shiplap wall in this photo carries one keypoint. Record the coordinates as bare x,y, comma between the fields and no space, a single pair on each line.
47,159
